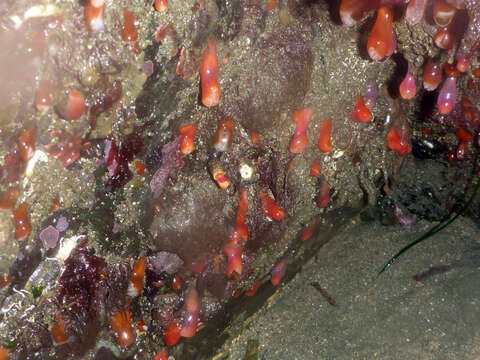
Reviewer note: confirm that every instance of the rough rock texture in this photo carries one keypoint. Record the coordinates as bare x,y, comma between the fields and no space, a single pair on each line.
271,63
390,317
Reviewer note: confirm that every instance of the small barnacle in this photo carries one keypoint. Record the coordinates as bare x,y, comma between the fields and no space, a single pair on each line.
246,171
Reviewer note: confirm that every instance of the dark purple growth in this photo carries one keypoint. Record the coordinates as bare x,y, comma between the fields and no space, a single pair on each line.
434,270
164,261
105,102
118,173
171,161
80,281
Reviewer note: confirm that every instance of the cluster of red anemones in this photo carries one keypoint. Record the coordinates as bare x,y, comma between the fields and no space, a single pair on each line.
83,268
382,43
15,163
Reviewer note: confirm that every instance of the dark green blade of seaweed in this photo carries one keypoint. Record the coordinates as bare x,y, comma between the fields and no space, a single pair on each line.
432,231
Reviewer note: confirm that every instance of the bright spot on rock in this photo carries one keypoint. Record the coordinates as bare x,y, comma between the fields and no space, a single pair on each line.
246,171
66,247
38,155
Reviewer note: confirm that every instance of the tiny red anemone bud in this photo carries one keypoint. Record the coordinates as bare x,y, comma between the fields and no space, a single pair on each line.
450,70
470,84
466,101
476,72
161,355
415,10
299,140
5,280
222,180
176,283
59,335
426,131
187,133
121,324
379,43
197,266
272,4
461,150
74,107
463,134
255,137
408,88
218,174
192,308
135,286
222,139
316,169
140,167
371,94
352,11
451,156
323,195
443,12
161,5
447,96
462,63
4,353
271,208
43,101
26,143
55,204
94,17
398,142
172,334
444,38
432,75
278,272
129,31
360,112
21,222
253,289
234,260
324,140
8,198
308,232
469,114
209,75
141,326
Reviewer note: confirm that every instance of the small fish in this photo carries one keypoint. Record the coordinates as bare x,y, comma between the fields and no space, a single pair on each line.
434,270
327,297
